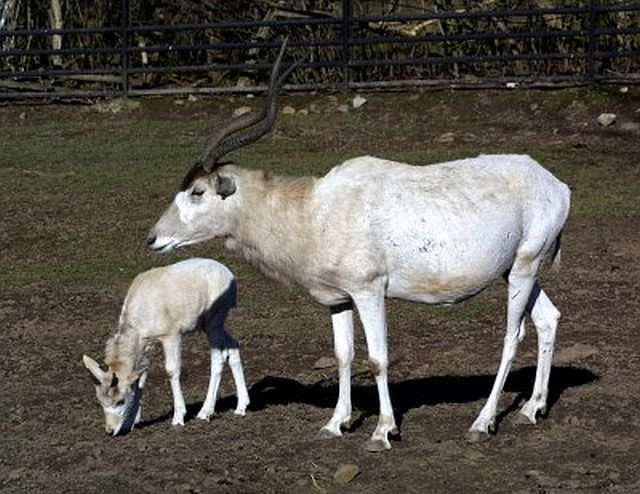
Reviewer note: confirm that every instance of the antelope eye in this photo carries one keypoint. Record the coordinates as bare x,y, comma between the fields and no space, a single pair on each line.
197,192
120,403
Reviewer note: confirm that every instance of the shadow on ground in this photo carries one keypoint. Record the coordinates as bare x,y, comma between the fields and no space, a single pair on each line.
405,395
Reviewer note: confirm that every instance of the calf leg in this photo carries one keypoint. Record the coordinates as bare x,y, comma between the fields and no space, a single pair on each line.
224,348
233,358
372,314
342,321
217,362
521,280
172,348
545,318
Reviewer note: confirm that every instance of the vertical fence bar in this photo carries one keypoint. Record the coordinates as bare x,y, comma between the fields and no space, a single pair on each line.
593,42
126,25
347,17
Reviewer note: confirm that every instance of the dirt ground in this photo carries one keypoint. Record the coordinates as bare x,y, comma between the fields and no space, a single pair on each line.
443,360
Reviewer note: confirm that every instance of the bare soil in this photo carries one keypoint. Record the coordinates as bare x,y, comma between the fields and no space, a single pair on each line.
443,361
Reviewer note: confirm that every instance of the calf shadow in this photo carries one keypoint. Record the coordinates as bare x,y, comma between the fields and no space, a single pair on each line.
405,395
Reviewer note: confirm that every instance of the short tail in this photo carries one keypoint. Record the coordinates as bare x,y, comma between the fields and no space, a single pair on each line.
557,250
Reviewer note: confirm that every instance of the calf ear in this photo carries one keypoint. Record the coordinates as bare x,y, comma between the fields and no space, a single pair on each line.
96,372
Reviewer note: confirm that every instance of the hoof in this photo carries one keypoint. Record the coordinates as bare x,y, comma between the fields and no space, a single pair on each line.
474,436
521,419
178,421
204,416
377,445
325,434
240,413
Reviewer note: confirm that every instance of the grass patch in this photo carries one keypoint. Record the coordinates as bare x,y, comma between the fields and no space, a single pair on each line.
79,190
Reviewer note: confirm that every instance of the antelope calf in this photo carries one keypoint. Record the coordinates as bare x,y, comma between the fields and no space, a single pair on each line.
161,305
373,228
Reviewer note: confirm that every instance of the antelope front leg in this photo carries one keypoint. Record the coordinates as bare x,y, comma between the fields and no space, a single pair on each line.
342,321
372,314
172,364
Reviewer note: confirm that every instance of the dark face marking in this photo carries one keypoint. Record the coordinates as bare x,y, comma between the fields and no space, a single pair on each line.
194,173
198,171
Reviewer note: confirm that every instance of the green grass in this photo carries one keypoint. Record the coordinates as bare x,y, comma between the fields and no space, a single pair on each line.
79,190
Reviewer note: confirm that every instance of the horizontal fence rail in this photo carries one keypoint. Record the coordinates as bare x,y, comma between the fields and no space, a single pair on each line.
345,51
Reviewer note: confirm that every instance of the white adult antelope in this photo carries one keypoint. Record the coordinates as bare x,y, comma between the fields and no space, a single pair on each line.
373,228
161,304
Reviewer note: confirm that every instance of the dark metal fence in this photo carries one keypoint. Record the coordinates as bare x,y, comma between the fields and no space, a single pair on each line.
525,46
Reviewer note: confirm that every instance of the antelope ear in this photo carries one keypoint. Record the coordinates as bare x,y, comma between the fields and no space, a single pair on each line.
225,186
93,366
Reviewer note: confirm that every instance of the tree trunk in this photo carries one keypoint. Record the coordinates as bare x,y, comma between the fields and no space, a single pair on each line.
56,23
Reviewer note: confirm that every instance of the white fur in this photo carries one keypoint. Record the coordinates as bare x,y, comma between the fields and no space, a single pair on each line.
374,228
160,305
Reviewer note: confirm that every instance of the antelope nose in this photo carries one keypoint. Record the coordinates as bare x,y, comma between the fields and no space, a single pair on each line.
151,239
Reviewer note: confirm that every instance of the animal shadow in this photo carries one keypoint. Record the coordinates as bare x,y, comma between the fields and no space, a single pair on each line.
223,405
414,393
406,395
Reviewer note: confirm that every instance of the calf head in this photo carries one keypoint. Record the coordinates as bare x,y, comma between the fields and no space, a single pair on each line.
119,397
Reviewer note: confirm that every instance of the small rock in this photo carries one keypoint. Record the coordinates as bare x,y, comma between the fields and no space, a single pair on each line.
241,111
346,473
446,138
303,111
358,101
534,106
624,89
572,420
325,363
191,98
117,105
23,116
288,110
606,119
178,102
342,108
